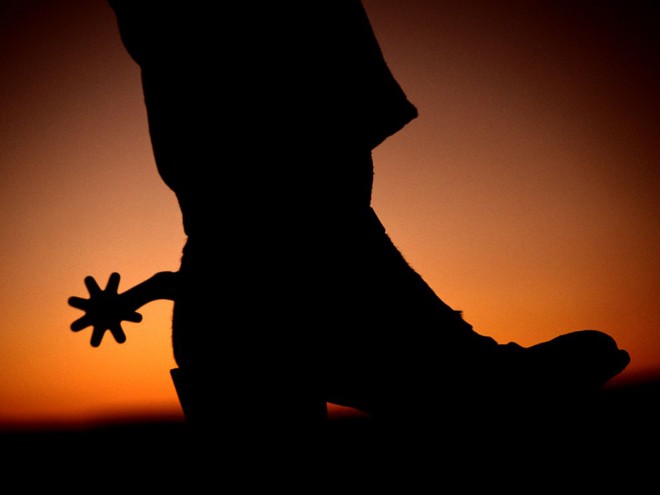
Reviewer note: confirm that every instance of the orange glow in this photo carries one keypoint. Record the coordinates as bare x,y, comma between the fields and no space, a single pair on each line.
525,193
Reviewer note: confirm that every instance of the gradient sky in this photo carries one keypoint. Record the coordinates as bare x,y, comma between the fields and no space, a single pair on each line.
526,193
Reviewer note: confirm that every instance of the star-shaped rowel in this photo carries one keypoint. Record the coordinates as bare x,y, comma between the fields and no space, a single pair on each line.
104,310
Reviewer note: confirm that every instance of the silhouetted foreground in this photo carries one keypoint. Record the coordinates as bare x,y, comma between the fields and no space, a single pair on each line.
617,433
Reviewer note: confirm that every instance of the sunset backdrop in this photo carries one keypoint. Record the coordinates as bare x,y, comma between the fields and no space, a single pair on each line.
526,193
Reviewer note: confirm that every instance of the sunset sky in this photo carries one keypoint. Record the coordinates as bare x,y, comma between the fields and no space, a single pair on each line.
526,193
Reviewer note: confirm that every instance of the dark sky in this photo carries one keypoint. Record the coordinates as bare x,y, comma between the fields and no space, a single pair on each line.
526,193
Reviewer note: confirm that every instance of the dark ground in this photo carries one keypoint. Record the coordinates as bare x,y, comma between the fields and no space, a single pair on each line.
612,442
